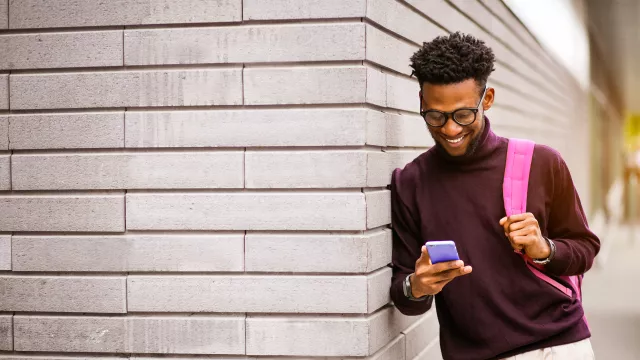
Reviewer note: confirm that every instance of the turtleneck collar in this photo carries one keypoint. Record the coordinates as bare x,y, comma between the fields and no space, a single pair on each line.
487,144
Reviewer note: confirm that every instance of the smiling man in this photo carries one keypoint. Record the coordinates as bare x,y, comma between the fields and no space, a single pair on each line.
490,305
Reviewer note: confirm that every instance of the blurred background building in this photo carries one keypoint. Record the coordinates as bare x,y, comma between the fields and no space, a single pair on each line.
208,177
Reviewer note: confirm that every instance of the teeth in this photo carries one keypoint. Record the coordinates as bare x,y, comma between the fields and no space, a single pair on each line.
455,141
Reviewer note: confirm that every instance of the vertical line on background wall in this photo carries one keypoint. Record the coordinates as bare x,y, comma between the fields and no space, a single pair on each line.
13,332
243,77
124,28
124,129
365,40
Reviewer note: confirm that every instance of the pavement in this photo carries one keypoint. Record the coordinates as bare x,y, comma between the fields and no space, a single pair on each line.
612,296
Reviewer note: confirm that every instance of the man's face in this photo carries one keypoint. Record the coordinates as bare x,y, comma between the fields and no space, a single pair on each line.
457,140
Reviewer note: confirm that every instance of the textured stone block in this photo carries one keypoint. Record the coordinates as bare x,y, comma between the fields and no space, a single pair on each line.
392,91
177,253
399,158
376,128
402,93
127,89
378,208
250,128
43,213
4,14
220,169
5,252
186,335
376,87
63,294
70,334
385,325
324,336
307,336
262,294
395,350
378,169
4,91
317,252
378,284
5,172
61,357
305,85
67,131
246,44
422,333
302,9
133,334
70,13
6,332
306,169
430,352
246,211
4,132
400,19
61,50
407,131
388,51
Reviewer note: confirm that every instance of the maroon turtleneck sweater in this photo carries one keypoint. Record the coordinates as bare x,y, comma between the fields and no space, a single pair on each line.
501,309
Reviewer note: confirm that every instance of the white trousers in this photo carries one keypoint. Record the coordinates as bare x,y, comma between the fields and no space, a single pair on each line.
580,350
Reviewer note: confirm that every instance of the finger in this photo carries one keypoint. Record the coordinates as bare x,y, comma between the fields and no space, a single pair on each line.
528,222
506,225
446,266
515,245
519,217
452,274
503,220
523,241
522,232
424,258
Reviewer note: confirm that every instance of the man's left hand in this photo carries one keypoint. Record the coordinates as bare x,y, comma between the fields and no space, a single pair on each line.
523,231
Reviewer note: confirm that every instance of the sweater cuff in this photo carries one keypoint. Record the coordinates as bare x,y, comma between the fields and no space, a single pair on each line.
562,259
407,306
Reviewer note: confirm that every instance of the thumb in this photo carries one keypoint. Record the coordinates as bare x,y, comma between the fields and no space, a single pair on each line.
424,255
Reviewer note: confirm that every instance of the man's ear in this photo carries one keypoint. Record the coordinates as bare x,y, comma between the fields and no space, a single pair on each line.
489,98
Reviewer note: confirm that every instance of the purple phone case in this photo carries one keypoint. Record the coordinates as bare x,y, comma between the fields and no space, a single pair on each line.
442,251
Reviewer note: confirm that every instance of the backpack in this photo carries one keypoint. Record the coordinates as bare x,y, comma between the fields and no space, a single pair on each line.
514,191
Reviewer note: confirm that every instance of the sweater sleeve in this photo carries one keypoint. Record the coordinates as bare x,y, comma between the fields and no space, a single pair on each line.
576,245
406,250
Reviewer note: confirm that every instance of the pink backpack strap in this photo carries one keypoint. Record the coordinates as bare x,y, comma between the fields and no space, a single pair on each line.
516,175
514,191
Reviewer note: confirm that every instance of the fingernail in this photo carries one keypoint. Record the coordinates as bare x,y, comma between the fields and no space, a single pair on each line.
459,263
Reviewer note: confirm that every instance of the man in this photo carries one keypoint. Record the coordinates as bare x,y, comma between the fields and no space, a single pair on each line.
489,304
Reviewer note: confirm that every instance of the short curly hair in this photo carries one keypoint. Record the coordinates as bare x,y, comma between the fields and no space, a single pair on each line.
452,59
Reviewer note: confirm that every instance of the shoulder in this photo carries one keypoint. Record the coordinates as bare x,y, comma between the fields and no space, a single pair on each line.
548,157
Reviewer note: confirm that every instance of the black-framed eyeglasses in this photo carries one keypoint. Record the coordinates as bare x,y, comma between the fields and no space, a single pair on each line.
462,116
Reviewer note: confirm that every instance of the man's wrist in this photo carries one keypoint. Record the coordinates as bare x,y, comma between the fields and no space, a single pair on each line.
552,253
409,290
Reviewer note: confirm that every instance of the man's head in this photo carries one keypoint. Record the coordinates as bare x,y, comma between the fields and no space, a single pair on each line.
453,71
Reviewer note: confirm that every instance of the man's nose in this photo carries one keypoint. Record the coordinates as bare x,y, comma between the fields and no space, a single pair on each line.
451,128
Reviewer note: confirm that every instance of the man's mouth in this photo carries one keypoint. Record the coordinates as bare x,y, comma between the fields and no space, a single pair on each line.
456,140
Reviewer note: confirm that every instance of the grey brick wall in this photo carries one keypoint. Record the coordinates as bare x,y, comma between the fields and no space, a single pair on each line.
206,177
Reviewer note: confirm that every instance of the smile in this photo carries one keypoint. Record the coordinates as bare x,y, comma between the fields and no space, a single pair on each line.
455,141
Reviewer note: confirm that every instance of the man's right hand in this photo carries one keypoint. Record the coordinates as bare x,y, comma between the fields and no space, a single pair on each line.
429,279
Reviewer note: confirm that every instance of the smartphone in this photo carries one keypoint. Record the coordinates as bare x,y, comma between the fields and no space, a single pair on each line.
442,251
